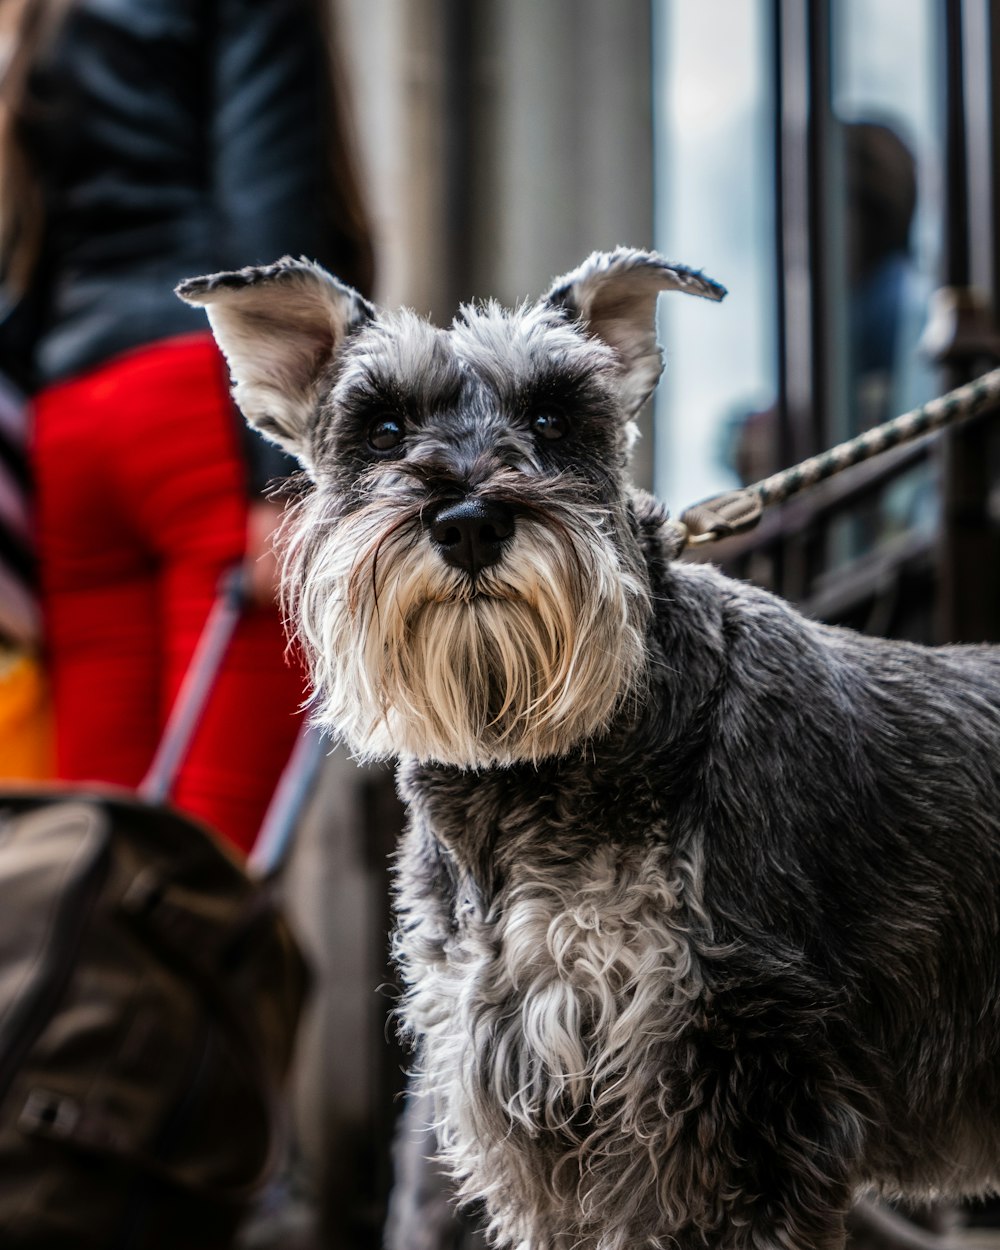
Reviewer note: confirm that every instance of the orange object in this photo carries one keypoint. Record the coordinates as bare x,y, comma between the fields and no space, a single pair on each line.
26,735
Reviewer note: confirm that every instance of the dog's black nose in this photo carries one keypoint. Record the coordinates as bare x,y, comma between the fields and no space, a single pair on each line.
472,534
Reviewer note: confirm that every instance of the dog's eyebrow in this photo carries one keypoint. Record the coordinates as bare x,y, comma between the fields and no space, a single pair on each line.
380,387
568,384
366,389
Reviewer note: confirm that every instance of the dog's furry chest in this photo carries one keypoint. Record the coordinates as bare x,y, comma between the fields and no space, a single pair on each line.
543,1003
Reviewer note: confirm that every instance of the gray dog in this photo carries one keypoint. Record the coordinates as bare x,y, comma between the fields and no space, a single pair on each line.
698,906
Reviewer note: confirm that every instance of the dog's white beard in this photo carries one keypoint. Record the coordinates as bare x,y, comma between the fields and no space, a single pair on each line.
407,657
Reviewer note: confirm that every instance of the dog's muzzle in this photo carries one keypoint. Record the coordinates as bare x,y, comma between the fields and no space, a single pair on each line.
472,534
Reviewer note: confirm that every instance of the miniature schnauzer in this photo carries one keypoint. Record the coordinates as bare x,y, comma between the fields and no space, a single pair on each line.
699,904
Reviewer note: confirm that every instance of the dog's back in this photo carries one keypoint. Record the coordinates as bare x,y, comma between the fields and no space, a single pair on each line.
849,798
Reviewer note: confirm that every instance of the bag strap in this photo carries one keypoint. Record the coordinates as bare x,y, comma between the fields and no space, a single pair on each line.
196,687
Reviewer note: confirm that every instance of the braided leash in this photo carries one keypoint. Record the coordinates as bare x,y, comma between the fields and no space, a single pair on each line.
736,511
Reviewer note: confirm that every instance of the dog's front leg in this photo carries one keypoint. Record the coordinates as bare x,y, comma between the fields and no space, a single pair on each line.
767,1151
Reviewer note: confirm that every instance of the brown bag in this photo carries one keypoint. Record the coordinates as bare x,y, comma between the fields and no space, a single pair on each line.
149,992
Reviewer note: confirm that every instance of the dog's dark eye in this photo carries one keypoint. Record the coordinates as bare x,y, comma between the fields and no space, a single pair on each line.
385,434
550,424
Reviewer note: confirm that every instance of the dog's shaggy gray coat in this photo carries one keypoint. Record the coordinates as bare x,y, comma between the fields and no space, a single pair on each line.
698,905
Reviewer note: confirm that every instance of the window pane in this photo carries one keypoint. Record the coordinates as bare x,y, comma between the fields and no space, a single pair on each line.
715,207
887,230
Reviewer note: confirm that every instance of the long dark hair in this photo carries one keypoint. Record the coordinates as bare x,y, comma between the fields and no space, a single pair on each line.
26,26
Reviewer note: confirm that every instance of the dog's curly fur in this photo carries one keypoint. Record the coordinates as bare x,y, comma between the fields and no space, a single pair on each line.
698,904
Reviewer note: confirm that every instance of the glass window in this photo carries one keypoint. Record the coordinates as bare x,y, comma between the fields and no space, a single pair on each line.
715,421
886,226
887,99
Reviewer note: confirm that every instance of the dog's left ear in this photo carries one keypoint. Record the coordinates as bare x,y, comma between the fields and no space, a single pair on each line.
614,295
279,326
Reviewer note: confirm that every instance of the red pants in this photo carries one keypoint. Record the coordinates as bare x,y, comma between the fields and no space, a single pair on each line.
141,506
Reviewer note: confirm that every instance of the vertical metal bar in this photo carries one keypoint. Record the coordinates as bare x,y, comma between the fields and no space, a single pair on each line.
992,90
784,447
979,40
968,607
820,142
802,47
196,688
793,207
277,833
802,43
956,189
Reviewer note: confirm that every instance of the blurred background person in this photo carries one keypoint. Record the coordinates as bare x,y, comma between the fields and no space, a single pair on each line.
887,299
144,141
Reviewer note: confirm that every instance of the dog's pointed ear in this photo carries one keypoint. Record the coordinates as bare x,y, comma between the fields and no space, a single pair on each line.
613,294
278,326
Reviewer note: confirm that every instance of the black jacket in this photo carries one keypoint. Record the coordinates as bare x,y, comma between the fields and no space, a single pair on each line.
172,137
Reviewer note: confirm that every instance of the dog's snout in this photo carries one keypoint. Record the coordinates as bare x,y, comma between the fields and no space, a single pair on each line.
472,534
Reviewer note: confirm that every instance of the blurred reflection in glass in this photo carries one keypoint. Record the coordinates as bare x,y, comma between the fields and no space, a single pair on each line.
887,296
886,230
714,207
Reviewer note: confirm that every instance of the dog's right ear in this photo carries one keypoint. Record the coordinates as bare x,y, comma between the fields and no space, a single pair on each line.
278,326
